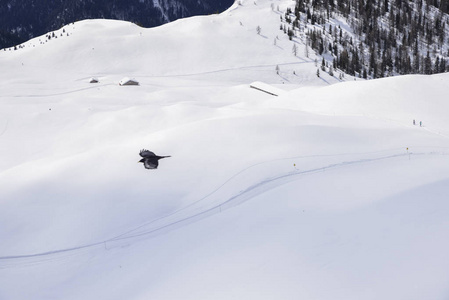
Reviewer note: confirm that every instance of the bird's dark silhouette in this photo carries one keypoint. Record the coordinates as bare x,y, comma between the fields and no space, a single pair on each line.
150,160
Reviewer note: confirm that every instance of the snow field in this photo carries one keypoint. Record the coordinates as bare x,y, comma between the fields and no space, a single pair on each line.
312,194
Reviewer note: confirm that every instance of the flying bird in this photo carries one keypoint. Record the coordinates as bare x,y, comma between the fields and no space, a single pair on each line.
150,160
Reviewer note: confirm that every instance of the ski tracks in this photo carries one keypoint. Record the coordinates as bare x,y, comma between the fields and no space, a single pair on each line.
201,208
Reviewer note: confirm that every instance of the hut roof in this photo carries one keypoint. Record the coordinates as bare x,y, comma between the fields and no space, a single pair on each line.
128,81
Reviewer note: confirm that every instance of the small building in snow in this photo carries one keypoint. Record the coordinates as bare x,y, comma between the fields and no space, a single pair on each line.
128,81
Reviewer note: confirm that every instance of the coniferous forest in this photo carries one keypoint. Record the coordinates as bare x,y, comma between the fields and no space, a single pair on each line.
386,37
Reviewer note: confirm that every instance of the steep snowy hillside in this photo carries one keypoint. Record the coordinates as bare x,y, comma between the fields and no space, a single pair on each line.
326,191
374,39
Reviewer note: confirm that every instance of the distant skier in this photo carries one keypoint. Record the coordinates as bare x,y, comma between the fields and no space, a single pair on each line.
414,122
420,123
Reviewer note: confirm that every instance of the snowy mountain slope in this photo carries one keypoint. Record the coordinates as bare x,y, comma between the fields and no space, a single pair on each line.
22,20
310,194
220,43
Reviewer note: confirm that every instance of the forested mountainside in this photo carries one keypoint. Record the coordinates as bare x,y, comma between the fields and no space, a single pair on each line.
21,20
374,38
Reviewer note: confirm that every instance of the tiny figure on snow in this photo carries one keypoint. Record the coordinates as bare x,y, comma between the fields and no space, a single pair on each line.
420,123
413,121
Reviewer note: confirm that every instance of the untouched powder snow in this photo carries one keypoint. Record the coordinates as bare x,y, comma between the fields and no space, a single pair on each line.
326,191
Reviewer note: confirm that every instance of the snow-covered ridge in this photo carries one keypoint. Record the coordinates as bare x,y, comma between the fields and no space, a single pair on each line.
183,45
21,20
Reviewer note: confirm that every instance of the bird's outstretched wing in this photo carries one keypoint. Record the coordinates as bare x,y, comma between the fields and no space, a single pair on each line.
146,153
150,163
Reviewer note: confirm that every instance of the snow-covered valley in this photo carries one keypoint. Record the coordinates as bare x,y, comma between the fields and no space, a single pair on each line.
327,191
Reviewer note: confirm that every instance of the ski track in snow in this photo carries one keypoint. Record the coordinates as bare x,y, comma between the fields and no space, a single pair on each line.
58,94
241,197
272,66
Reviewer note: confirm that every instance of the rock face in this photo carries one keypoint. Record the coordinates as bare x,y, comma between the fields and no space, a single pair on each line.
21,20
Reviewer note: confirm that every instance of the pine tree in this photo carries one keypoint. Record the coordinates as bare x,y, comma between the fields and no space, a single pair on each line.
427,64
437,65
290,34
416,64
344,60
306,49
442,66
